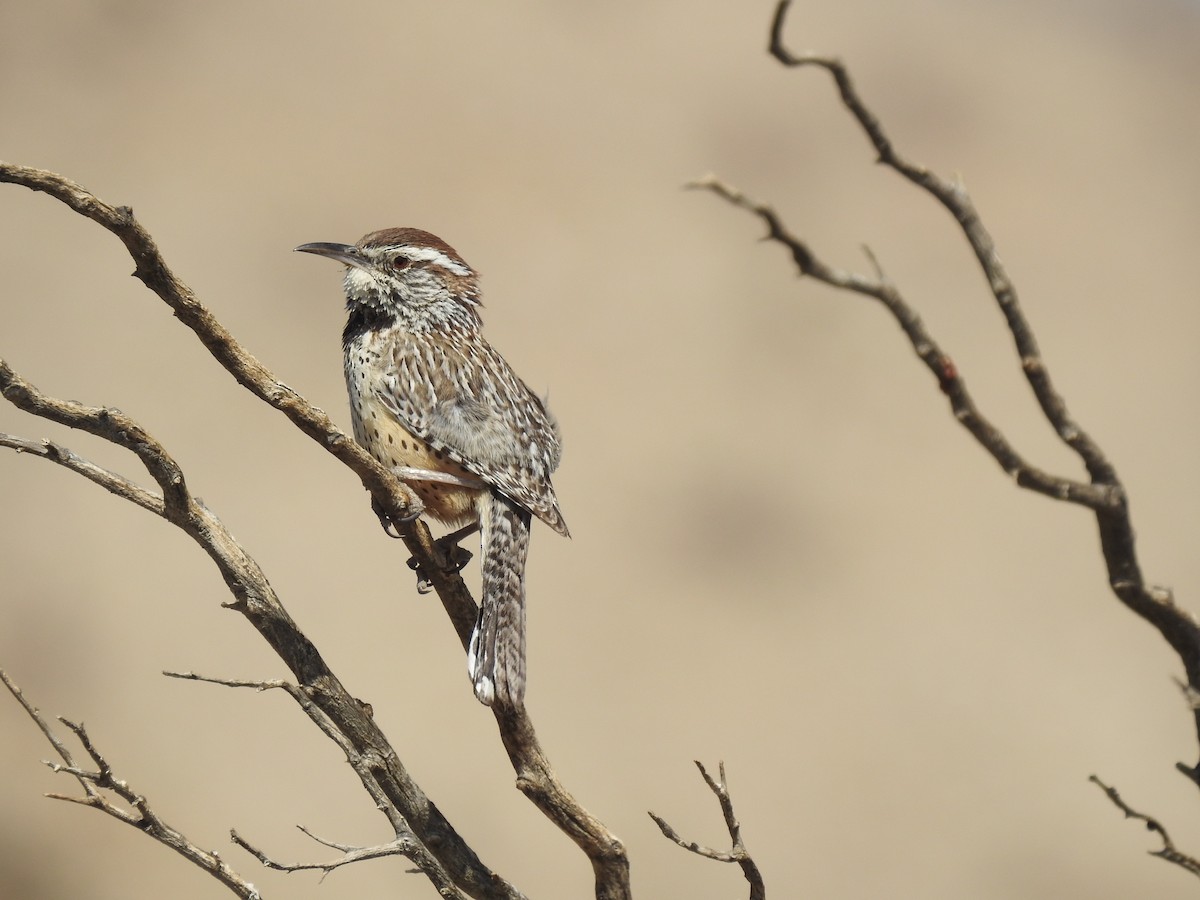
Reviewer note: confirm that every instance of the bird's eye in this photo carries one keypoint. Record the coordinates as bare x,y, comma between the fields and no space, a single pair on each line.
401,262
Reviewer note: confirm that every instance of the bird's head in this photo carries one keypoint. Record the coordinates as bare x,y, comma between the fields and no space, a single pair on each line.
403,272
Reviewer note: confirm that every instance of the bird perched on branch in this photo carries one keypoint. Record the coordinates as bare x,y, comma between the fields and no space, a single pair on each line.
431,399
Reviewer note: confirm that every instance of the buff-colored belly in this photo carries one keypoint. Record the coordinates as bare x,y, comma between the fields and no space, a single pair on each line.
390,443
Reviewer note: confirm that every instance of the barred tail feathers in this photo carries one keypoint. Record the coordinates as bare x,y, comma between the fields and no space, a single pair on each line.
496,659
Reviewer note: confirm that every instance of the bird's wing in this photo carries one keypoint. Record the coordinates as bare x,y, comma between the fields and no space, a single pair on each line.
467,402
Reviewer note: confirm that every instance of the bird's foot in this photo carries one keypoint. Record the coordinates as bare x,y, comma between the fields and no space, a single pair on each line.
391,524
450,557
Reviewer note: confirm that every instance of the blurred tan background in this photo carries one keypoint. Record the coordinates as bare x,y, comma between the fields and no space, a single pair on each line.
786,555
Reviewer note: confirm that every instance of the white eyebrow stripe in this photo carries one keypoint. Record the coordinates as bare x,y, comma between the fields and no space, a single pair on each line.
437,257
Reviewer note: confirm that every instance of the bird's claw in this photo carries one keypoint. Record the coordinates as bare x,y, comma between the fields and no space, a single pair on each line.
391,524
451,559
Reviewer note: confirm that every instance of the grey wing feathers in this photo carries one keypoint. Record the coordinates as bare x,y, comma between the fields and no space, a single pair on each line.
478,412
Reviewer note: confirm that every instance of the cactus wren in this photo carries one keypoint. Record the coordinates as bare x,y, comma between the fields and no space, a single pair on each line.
430,398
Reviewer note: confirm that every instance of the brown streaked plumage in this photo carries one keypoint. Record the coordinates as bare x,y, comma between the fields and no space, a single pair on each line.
428,392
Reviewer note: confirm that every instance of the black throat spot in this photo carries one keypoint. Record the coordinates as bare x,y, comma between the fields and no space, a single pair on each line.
364,319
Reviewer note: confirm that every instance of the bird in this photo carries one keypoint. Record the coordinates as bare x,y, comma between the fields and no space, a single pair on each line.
431,399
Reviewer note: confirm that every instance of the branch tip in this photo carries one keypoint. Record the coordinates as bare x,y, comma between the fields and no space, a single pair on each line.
1168,851
738,852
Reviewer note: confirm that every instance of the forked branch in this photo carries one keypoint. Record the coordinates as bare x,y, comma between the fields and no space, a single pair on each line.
320,694
406,843
1168,851
391,494
1103,493
406,847
318,691
737,852
98,785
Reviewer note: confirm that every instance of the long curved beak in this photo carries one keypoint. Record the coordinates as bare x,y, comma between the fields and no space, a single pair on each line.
343,253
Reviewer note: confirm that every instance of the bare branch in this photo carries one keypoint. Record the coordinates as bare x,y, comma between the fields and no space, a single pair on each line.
538,781
351,855
1105,494
950,380
397,503
953,196
110,481
402,846
320,694
738,853
152,270
273,684
142,816
387,491
114,426
406,843
1168,851
535,778
59,747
